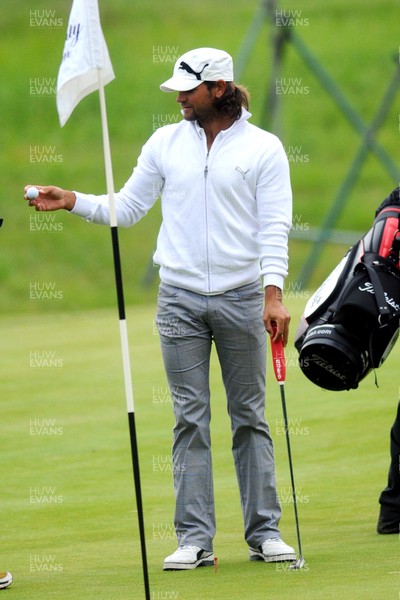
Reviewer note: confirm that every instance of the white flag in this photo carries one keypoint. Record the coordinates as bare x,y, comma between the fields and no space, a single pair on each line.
85,57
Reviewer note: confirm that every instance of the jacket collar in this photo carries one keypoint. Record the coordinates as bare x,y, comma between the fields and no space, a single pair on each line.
243,117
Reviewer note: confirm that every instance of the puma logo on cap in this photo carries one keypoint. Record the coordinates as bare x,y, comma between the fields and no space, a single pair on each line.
185,67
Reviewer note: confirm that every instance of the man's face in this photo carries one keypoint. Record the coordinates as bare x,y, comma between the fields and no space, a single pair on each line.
198,104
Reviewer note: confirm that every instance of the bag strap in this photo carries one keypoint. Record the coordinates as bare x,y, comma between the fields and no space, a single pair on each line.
371,262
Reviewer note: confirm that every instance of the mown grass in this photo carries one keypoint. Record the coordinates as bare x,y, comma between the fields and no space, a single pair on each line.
85,543
69,515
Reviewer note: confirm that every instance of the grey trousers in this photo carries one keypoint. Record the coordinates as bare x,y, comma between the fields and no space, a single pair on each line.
188,323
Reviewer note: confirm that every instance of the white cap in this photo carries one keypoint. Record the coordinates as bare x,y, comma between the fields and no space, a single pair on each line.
196,66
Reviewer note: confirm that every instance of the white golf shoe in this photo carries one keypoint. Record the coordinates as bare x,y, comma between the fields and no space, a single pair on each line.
5,580
188,557
273,550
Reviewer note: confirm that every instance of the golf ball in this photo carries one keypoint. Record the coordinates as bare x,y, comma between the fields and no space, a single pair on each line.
32,193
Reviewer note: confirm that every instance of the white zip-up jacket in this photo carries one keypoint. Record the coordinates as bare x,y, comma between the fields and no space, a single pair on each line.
226,213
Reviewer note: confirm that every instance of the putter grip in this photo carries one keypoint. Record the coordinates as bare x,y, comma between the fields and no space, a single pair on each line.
278,358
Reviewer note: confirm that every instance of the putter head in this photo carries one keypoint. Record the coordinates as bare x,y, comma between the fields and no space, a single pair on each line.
298,564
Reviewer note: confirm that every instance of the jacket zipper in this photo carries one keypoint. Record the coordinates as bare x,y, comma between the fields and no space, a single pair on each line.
206,220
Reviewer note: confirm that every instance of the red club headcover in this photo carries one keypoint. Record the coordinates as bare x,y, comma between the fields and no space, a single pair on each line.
278,358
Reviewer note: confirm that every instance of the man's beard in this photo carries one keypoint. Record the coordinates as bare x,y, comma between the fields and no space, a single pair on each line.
201,116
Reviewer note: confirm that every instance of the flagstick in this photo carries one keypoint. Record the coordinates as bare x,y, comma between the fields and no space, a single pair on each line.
123,331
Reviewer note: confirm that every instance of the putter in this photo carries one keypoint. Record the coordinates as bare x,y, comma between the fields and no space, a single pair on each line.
279,364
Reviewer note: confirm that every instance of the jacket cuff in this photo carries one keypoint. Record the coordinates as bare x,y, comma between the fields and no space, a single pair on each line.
273,279
83,206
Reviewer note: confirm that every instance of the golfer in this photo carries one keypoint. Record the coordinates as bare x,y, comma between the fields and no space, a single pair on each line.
389,499
222,250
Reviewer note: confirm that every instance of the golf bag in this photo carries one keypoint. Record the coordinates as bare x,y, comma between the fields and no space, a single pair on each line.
351,322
